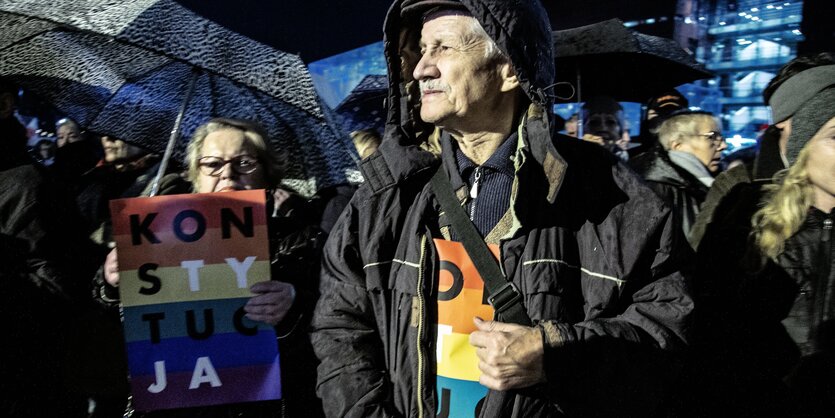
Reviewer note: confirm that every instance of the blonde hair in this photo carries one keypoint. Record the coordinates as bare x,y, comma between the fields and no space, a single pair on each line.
272,164
366,140
676,128
786,206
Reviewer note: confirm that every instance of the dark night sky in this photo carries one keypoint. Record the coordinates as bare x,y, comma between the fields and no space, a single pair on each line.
316,29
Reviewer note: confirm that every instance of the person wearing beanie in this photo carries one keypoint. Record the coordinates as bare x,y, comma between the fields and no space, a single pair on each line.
799,77
767,269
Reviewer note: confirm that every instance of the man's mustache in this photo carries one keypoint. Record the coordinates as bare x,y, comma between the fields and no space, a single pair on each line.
433,85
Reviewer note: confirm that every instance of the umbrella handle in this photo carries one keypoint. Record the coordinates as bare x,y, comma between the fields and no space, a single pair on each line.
580,105
175,133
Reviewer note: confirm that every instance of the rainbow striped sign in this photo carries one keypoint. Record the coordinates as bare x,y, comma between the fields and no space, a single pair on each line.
461,296
186,263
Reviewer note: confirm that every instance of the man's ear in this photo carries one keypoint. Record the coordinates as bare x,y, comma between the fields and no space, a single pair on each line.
676,144
509,79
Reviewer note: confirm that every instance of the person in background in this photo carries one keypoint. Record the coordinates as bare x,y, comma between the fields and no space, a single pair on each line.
745,180
603,124
658,108
366,141
230,155
44,151
766,275
682,166
67,131
584,242
125,170
76,154
572,124
44,285
12,132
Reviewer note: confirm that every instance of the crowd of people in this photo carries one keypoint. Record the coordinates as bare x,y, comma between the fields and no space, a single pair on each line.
488,266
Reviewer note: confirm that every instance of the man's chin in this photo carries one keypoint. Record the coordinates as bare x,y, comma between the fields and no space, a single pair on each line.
432,118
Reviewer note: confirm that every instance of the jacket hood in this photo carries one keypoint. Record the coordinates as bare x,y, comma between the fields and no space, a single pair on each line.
519,28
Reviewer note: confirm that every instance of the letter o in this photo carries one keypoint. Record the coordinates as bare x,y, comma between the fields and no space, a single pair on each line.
178,224
457,281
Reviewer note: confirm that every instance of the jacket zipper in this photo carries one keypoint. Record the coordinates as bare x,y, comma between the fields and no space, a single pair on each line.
421,301
474,191
826,271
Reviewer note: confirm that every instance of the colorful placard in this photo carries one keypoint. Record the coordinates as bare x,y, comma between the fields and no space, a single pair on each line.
186,263
461,296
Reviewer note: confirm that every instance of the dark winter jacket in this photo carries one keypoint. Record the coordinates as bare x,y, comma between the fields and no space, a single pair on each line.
748,177
762,323
678,187
44,284
105,182
591,251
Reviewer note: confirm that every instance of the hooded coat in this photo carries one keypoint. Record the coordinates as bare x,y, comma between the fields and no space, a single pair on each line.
673,183
591,250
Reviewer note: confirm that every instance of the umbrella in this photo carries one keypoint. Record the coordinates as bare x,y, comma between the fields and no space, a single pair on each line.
364,108
608,59
133,69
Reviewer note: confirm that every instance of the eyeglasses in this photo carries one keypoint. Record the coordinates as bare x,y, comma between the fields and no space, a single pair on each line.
212,166
714,137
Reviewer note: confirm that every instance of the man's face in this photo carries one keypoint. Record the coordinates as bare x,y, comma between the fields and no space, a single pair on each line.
116,150
458,83
67,134
604,125
571,126
706,148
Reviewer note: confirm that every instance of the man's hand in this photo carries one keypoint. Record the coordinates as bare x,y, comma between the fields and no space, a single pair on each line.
509,355
272,301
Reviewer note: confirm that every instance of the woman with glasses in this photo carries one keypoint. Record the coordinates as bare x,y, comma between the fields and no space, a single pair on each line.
231,155
682,167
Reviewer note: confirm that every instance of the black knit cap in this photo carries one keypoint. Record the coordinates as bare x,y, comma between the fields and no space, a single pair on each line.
411,7
808,120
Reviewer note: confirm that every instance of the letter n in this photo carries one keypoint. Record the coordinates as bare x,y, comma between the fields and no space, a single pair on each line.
228,218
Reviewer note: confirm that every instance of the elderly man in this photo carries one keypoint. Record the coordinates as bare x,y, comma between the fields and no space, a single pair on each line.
403,326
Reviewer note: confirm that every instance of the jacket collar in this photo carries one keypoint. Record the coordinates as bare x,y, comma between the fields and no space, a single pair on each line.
394,163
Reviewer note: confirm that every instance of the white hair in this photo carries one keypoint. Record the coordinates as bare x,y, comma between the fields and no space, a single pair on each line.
678,127
491,49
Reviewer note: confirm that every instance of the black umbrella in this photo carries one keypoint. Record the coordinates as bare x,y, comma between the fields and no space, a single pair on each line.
364,108
609,59
128,68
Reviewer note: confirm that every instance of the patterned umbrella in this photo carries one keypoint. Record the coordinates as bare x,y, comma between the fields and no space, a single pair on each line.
606,58
126,68
364,108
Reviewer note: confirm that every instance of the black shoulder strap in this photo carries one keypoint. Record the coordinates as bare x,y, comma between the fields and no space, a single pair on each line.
504,296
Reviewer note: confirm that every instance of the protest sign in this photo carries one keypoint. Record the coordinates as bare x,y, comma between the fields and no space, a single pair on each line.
186,263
